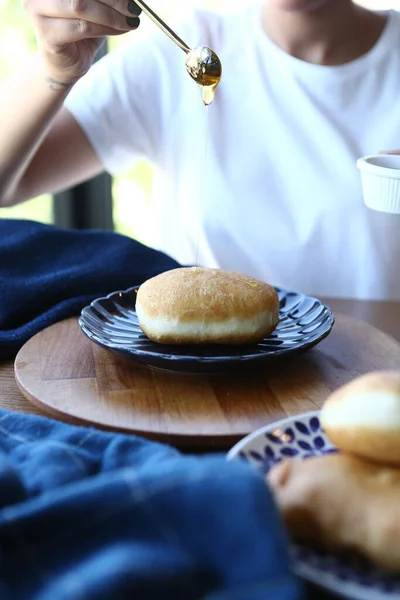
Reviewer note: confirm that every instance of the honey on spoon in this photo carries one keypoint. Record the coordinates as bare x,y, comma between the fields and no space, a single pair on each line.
202,64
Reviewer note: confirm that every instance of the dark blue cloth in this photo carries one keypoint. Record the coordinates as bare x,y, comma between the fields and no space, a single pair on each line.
48,274
87,515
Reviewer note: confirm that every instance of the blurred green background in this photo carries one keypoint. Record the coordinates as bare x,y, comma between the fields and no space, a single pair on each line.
132,190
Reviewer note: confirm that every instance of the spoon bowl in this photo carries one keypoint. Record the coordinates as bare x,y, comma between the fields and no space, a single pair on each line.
204,66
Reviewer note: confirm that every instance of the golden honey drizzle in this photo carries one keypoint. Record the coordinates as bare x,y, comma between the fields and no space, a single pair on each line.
203,184
204,66
208,93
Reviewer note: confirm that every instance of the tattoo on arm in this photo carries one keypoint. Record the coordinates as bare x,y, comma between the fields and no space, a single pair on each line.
57,86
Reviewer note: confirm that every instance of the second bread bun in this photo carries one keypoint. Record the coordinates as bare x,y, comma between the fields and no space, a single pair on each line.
363,417
341,503
198,305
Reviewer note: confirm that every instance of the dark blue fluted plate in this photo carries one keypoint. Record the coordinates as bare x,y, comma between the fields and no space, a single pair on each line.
111,322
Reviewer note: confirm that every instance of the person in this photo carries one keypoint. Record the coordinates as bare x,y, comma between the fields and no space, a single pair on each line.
308,86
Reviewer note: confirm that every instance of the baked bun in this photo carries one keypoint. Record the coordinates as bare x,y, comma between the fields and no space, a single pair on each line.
341,503
196,305
363,417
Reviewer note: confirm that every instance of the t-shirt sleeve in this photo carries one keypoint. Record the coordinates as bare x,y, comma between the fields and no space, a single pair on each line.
125,102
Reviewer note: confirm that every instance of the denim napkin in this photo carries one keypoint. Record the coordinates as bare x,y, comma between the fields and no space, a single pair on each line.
87,515
48,274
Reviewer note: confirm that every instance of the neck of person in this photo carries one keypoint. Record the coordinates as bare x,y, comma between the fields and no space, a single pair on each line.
332,33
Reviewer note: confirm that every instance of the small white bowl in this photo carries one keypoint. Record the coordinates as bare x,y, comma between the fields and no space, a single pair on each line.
380,178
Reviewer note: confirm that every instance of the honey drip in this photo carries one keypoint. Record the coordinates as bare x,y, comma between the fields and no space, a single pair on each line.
208,93
203,184
204,66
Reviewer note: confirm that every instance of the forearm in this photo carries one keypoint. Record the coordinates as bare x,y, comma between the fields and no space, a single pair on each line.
28,103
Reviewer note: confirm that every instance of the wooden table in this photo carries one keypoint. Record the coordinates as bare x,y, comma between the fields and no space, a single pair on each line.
383,315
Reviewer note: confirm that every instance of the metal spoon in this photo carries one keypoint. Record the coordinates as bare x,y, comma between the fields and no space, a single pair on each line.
202,64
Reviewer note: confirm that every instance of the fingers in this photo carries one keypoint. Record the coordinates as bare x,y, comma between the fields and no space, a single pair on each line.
389,152
81,9
74,20
58,32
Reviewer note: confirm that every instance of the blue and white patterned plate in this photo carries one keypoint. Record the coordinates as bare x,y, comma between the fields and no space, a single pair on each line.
302,437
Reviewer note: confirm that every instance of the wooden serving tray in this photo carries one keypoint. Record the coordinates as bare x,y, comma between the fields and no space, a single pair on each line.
72,379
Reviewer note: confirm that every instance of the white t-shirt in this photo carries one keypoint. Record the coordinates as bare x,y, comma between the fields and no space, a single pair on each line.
283,199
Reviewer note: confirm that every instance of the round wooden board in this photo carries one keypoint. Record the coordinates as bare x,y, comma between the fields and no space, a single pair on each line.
71,378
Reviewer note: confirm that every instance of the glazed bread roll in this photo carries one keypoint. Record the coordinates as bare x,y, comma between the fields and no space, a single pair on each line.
363,417
196,305
343,504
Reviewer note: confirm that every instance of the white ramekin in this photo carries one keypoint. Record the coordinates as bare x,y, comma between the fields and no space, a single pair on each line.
380,178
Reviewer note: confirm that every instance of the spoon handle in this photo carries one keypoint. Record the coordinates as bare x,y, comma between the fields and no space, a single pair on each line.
163,26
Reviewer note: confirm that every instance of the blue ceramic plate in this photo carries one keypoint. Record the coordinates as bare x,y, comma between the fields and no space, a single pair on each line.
302,437
112,323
